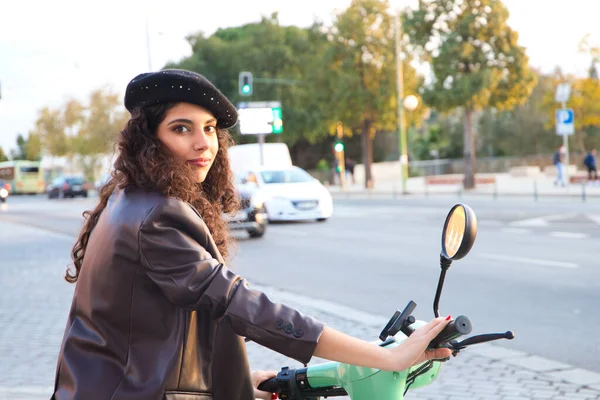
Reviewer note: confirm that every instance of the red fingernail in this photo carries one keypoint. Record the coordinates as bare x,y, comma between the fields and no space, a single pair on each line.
449,317
273,396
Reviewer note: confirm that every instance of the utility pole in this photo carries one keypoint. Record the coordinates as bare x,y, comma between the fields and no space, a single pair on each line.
402,141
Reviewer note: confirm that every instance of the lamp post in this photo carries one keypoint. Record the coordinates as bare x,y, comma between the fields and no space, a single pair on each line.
410,102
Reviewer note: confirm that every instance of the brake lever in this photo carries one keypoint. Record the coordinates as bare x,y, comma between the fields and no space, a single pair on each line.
487,337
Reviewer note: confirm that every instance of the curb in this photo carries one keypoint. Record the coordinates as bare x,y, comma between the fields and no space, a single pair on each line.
547,368
398,194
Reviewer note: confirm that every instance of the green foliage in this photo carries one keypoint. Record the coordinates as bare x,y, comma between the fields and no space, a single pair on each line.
474,55
20,153
271,52
3,156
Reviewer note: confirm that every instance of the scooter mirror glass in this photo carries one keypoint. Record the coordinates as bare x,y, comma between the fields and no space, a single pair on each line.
460,230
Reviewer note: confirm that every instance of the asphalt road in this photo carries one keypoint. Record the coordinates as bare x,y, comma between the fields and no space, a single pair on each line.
533,268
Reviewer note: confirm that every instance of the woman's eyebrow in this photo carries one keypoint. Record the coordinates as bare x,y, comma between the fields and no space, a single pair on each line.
210,121
181,120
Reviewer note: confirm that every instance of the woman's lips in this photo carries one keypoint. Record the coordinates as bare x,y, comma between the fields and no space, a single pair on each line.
200,162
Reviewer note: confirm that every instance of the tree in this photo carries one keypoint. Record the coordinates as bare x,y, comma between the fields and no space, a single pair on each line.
99,125
475,59
281,59
3,156
34,147
361,64
50,127
527,129
20,153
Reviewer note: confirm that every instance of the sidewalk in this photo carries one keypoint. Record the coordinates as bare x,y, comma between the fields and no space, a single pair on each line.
483,372
506,185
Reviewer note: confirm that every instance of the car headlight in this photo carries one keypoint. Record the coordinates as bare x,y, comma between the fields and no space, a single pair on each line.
257,201
3,193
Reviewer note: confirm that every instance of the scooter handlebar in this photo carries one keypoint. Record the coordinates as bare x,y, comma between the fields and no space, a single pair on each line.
459,327
270,385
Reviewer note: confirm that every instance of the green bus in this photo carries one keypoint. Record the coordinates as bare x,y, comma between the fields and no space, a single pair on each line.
23,177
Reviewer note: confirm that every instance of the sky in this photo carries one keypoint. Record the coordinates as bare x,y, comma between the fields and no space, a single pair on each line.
51,51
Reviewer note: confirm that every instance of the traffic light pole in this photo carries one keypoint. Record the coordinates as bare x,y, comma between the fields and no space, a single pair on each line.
340,156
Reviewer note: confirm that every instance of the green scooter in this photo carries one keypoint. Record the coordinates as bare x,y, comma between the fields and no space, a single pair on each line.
337,379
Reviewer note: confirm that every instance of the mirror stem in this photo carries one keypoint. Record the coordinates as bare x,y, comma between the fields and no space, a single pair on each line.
445,264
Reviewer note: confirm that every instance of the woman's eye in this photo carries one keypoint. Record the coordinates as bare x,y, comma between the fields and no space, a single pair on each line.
181,129
211,129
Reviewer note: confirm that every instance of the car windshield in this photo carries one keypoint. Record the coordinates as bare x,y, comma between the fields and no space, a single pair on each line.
75,181
292,175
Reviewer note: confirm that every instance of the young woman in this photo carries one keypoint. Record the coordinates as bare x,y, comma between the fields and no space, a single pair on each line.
156,313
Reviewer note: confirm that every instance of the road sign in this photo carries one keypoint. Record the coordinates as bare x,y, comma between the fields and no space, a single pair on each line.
565,121
563,92
260,118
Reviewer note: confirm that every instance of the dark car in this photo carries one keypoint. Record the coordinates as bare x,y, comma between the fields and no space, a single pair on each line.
4,190
67,186
252,216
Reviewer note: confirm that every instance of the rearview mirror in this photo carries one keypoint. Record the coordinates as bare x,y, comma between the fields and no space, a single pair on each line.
460,230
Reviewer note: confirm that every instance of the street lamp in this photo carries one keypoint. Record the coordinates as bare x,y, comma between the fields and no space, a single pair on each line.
411,102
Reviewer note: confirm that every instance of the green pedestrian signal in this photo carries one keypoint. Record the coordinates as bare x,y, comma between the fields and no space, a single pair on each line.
245,83
277,120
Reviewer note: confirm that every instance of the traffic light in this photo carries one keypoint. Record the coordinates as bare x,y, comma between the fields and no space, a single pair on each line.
338,146
277,120
245,83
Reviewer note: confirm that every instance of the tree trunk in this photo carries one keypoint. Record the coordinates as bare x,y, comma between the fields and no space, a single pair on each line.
367,153
469,150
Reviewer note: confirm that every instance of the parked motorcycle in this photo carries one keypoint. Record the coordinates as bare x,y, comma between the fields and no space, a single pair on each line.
333,379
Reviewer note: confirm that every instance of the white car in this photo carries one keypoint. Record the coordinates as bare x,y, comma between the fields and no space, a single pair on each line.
290,193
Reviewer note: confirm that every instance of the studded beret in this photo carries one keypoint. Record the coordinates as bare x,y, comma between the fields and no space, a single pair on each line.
176,85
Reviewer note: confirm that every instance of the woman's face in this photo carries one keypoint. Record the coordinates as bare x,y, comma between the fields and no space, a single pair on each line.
190,133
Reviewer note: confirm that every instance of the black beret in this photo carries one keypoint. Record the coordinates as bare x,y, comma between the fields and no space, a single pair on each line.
175,86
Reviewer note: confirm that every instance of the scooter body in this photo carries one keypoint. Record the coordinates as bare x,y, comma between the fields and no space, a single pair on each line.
367,383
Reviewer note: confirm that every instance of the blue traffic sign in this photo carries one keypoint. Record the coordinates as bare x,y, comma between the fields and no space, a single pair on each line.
565,121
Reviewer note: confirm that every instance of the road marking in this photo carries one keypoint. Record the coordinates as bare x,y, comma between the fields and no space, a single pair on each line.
525,260
570,235
595,218
520,231
542,221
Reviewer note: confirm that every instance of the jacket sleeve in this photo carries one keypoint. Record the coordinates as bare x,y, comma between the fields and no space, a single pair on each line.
172,245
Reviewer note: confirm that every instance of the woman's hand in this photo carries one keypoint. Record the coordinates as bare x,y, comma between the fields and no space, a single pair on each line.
413,351
259,377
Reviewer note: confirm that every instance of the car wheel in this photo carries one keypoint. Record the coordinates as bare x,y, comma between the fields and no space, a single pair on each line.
321,219
256,233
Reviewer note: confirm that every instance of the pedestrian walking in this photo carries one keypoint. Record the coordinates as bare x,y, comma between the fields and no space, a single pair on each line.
156,312
590,162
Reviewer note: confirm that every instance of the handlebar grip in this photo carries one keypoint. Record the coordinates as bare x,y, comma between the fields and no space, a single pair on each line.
455,328
270,385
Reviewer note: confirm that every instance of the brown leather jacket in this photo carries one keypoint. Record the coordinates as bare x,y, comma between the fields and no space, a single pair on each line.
156,314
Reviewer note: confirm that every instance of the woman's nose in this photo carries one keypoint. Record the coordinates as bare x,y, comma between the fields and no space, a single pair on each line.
200,142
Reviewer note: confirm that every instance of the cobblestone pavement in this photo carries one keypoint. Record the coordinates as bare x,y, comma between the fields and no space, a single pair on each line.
34,302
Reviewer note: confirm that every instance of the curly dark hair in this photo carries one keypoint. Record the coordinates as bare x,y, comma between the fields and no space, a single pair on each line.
143,161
